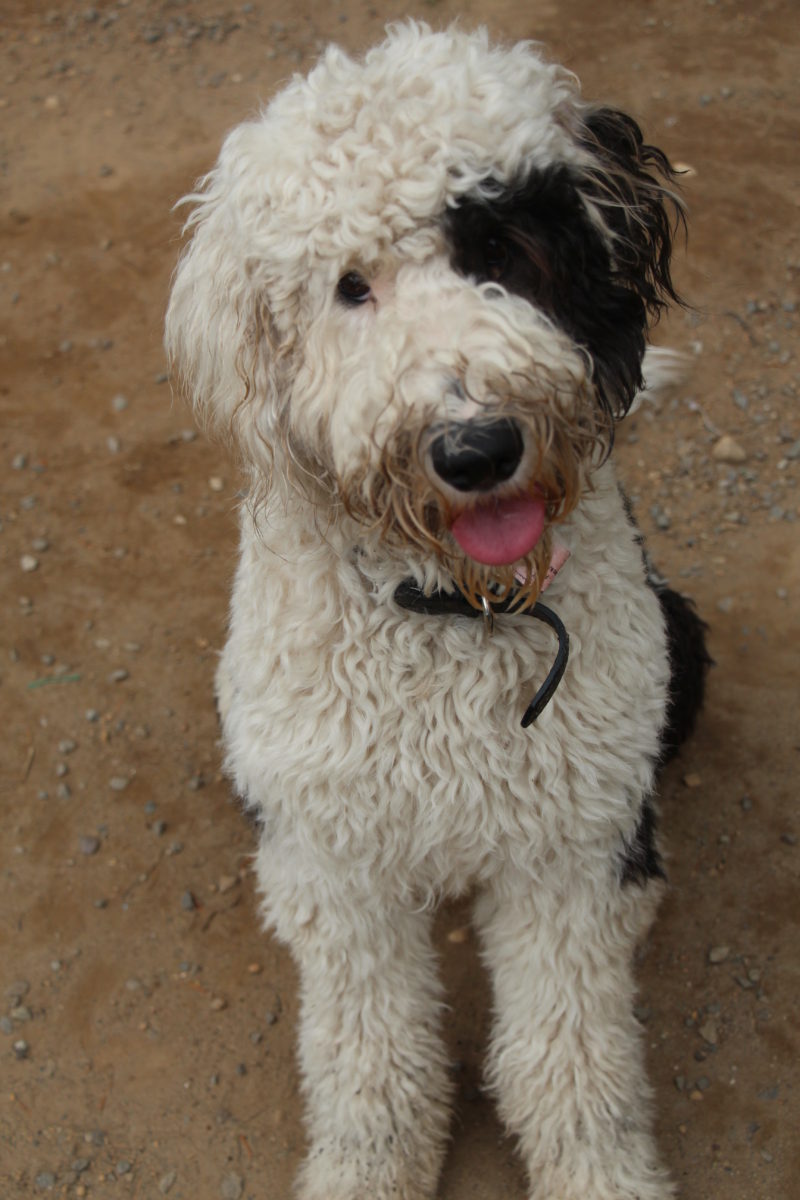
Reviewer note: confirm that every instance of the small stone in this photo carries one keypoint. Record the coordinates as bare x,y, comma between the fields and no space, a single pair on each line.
216,484
79,1165
789,839
793,453
118,676
118,783
19,462
231,1187
692,780
218,1004
718,954
88,844
123,1167
29,562
727,450
119,403
67,746
45,1181
21,1013
113,444
40,545
92,715
167,1181
15,991
739,399
188,902
7,1025
708,1032
21,1048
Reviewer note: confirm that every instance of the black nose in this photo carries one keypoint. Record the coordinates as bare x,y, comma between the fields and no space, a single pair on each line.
475,458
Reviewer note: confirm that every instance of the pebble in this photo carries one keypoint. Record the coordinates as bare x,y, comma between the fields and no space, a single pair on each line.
167,1181
188,902
45,1181
123,1167
21,1048
119,403
18,989
29,562
231,1187
113,444
708,1032
718,954
118,676
88,844
727,450
118,783
67,746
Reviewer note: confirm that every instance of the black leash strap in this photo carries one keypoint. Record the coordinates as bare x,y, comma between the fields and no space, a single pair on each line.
438,604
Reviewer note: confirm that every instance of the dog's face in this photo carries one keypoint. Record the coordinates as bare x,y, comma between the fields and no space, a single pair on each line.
419,288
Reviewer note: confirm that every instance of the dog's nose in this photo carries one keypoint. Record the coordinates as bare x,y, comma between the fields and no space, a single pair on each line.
476,457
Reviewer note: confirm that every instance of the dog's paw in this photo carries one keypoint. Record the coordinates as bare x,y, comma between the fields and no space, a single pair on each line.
378,1175
622,1180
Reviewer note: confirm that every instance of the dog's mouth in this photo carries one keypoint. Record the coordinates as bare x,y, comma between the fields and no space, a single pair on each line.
500,531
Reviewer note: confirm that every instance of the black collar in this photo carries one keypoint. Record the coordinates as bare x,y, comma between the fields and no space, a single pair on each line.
408,595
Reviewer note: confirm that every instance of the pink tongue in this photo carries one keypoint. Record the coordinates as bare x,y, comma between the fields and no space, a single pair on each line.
500,531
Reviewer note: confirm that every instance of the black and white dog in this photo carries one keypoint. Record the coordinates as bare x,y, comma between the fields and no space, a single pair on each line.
416,298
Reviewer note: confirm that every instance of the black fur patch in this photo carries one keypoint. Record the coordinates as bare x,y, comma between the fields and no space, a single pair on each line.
689,661
641,860
537,239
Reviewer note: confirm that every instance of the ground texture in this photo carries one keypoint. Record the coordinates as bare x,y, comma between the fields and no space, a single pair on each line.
146,1023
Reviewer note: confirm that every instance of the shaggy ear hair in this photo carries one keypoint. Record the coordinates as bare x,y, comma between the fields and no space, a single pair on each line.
638,210
219,336
626,182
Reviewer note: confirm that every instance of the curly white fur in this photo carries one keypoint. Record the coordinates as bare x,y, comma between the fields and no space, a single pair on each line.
381,749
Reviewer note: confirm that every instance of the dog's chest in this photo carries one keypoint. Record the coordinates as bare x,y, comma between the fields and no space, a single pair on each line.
394,739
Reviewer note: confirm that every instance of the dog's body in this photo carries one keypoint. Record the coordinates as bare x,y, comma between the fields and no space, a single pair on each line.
416,403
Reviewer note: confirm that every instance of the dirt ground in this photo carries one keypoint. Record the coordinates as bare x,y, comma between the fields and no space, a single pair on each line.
146,1023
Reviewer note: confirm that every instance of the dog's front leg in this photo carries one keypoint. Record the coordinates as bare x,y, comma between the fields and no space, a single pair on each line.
566,1060
373,1065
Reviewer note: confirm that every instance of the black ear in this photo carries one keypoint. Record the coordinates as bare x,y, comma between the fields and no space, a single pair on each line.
628,183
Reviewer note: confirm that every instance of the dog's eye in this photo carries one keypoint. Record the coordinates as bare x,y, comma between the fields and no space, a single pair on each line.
495,258
353,289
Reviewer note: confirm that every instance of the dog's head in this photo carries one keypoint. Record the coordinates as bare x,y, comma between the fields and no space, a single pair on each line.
418,289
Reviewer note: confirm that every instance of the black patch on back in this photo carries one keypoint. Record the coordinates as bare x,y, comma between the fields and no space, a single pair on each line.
641,860
689,661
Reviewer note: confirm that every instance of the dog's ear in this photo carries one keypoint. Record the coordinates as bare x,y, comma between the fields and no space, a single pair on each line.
630,184
219,334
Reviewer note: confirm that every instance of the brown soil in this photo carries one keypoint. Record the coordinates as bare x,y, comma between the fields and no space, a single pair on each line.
157,1029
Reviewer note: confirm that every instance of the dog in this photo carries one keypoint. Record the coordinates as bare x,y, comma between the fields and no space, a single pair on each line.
416,300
